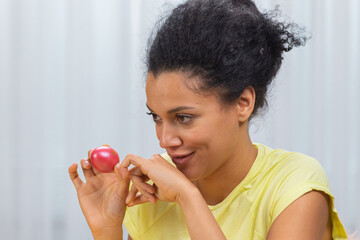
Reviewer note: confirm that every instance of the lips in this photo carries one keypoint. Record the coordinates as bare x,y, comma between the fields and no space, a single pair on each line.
181,159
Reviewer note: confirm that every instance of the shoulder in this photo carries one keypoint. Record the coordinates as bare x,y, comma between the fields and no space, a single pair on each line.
298,183
286,176
285,166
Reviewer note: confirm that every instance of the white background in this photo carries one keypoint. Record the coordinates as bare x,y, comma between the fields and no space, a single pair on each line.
72,78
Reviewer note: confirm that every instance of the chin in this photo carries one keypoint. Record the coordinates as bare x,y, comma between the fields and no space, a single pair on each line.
194,177
190,174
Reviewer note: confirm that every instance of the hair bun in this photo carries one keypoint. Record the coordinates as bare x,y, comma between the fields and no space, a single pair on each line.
228,44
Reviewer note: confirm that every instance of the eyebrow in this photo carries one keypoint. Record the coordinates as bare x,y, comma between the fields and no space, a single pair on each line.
177,109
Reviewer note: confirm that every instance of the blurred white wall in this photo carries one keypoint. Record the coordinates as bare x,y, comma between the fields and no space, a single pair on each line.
72,78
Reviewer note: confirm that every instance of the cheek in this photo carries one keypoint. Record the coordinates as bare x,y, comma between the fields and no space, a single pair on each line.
210,133
221,136
201,138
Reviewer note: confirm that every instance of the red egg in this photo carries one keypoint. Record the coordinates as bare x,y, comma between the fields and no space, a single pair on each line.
104,158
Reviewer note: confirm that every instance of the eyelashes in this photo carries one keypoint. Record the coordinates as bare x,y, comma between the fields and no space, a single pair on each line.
154,116
184,119
179,118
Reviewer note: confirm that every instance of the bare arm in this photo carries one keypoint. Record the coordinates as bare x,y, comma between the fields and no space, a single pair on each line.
199,219
306,218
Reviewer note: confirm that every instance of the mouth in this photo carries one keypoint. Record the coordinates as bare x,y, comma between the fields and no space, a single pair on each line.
181,159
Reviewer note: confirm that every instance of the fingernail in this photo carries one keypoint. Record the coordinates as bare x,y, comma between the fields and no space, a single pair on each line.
86,163
118,169
118,166
127,201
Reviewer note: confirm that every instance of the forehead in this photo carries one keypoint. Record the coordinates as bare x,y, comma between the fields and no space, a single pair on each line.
173,89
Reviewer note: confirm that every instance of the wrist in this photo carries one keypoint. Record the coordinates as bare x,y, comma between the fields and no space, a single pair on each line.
188,195
108,234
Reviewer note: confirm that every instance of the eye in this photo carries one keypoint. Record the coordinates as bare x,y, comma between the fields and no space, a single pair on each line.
155,117
183,118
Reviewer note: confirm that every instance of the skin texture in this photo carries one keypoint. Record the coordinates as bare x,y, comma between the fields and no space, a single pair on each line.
102,199
306,218
217,137
193,130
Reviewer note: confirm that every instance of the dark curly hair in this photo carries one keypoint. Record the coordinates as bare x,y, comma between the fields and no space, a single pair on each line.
227,44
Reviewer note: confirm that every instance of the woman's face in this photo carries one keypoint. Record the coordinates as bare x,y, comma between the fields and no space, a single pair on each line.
198,134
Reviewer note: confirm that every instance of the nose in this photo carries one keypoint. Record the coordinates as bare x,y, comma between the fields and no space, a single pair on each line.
168,136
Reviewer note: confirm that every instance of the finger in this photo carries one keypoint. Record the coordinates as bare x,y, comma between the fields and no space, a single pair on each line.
87,168
74,176
121,174
138,182
156,193
96,172
135,171
138,200
89,153
132,194
157,156
136,161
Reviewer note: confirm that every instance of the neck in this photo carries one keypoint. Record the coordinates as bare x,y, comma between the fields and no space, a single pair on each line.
217,186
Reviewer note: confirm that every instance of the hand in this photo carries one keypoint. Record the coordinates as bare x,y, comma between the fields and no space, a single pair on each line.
101,197
168,182
173,186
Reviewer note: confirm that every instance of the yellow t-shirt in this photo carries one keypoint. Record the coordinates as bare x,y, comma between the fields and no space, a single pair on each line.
276,179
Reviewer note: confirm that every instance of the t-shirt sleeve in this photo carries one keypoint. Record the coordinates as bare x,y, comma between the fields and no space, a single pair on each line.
301,174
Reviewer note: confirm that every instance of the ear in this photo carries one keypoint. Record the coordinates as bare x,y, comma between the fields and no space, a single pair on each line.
245,104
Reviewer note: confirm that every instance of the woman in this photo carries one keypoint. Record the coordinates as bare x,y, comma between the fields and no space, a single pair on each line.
209,67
